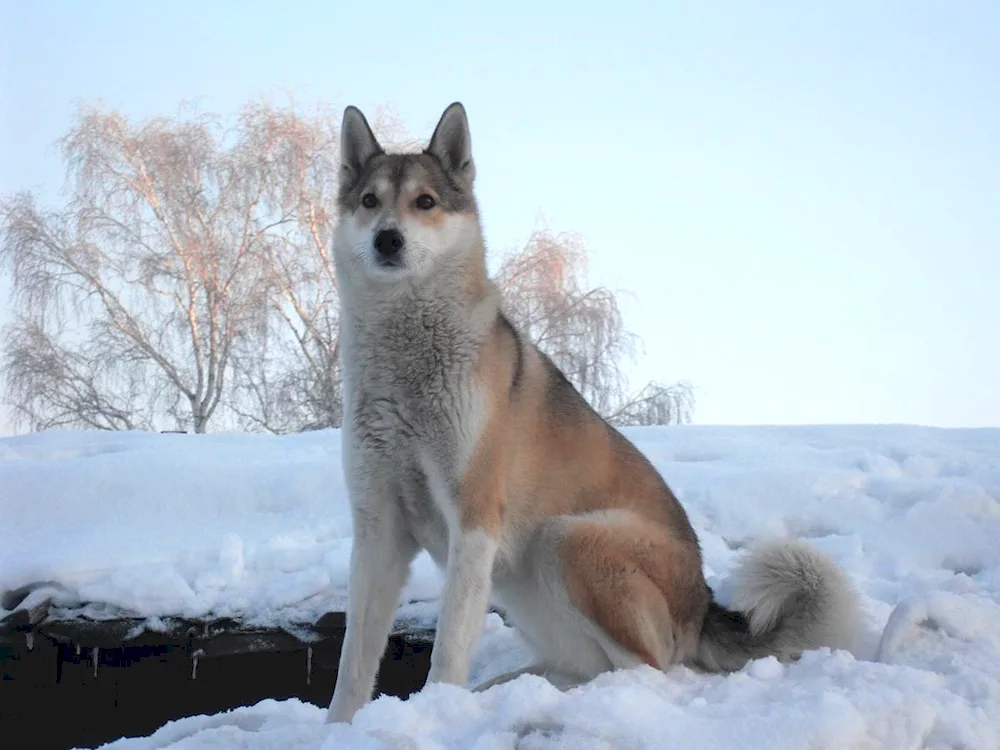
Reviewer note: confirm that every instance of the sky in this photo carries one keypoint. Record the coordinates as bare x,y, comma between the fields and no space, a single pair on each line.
801,199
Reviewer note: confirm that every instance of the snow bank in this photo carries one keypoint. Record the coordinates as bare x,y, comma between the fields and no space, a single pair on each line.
258,528
248,526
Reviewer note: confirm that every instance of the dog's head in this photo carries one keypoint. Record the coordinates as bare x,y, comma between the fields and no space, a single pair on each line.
402,214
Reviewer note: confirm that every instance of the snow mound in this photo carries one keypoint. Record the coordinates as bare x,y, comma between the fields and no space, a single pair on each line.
258,528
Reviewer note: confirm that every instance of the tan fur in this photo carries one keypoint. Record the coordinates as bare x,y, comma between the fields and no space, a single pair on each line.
628,573
483,488
566,462
631,579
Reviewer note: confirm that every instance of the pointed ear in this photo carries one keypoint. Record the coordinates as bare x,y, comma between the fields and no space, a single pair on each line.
452,143
357,145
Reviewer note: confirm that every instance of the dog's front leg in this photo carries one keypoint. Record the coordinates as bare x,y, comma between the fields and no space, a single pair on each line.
463,607
480,497
380,562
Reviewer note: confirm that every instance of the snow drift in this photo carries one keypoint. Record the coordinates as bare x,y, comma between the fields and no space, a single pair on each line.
257,528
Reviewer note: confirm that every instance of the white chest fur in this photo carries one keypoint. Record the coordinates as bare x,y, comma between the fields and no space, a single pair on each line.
414,409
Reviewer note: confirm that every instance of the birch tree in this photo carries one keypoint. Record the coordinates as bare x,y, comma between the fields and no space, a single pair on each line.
288,379
582,329
152,273
187,279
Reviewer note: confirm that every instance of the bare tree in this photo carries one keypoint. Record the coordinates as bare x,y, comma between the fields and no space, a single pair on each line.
53,386
656,403
156,257
288,378
581,328
545,292
189,276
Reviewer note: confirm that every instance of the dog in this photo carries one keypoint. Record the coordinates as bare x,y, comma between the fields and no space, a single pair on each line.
462,438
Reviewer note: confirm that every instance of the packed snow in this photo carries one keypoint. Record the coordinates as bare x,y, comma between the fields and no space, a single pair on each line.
258,528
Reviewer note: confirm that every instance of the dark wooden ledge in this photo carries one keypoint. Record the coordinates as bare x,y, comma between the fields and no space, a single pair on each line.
80,682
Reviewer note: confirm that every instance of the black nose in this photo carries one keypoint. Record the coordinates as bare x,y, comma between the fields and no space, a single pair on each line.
388,242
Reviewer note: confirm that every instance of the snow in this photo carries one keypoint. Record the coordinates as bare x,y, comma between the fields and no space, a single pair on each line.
257,527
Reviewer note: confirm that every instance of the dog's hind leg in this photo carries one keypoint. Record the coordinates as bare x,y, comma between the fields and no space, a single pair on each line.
640,585
608,590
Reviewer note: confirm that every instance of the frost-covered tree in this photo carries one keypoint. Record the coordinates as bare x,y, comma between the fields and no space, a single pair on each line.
187,279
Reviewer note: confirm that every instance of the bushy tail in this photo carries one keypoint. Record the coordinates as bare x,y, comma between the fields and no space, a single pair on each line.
789,598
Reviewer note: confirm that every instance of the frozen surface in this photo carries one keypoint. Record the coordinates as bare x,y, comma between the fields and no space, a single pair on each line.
258,528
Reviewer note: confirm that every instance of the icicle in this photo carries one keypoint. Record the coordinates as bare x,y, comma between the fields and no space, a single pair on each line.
78,651
97,657
29,639
309,664
195,656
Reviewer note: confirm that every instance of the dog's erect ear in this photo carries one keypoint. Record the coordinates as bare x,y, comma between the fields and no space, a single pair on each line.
452,143
357,145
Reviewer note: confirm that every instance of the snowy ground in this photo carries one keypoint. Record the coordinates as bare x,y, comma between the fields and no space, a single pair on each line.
257,527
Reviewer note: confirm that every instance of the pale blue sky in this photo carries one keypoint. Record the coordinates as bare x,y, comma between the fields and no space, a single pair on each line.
803,198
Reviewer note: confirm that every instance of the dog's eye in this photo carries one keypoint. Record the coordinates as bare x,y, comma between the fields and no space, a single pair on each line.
368,200
425,202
